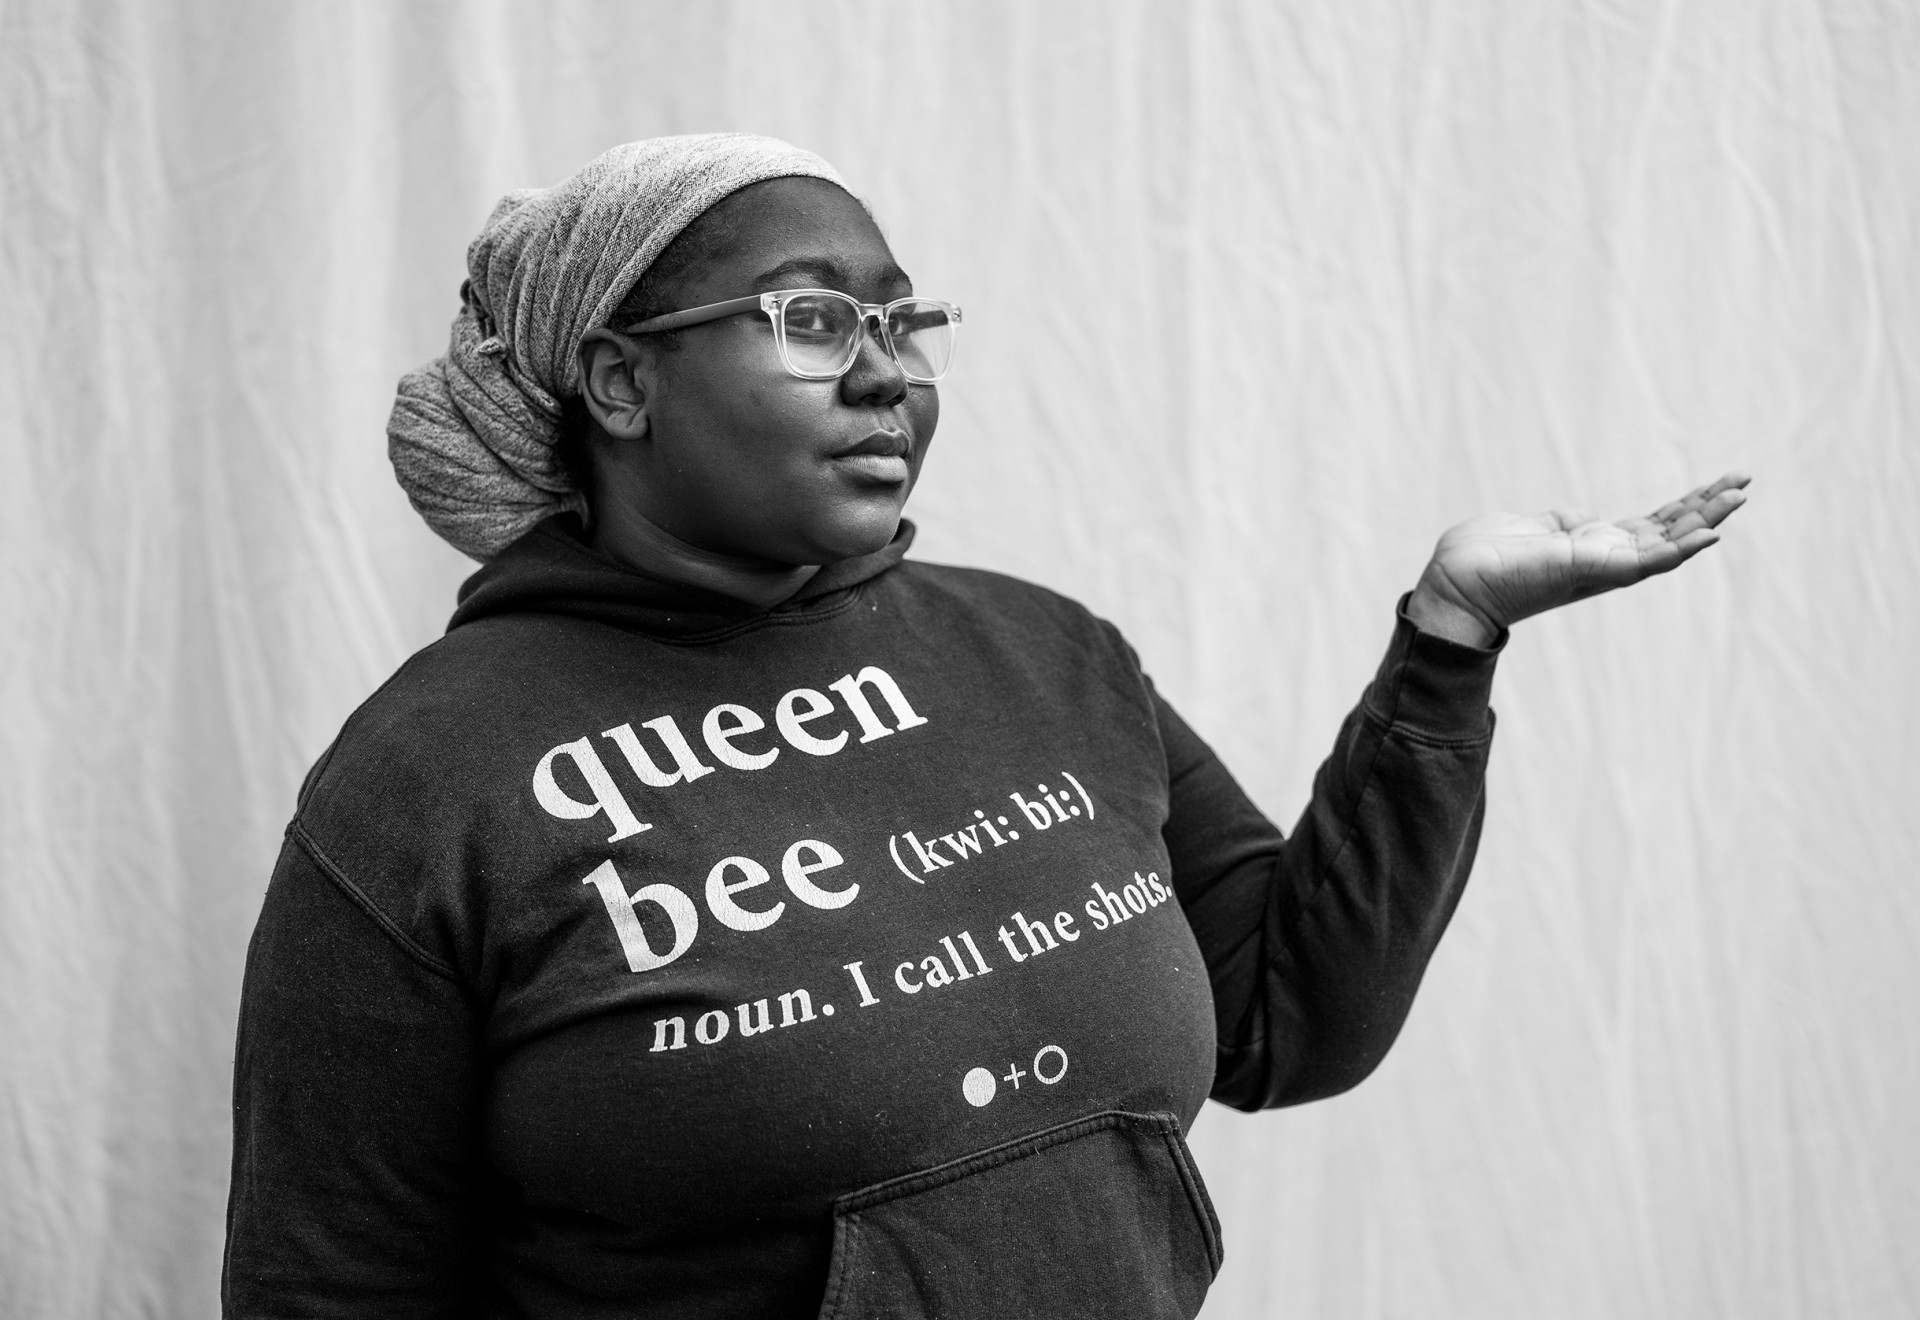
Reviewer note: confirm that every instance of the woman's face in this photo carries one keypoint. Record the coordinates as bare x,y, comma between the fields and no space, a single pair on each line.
736,455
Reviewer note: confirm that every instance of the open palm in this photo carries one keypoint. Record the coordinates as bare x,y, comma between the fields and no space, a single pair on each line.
1500,568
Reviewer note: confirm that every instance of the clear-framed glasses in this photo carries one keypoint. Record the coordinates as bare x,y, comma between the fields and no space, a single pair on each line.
818,331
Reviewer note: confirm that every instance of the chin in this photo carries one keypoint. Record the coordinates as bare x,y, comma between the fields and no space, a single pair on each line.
855,532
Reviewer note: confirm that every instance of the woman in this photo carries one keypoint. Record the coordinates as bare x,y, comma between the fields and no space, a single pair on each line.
731,918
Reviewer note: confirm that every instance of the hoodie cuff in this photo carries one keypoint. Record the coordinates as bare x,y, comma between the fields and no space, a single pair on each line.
1434,687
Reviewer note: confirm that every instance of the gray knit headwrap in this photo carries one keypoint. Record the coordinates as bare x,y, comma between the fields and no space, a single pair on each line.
472,433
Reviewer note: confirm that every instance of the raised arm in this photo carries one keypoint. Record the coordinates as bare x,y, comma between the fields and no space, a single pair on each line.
1316,943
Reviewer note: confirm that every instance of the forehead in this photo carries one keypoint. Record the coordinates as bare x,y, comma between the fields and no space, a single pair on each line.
787,233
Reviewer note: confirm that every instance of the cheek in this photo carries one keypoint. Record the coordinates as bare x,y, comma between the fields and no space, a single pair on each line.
741,406
760,403
924,407
752,422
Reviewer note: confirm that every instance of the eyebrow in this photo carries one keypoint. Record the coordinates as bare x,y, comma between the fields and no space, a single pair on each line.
826,271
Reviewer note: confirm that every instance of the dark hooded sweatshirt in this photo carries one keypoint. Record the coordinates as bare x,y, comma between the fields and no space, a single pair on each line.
630,955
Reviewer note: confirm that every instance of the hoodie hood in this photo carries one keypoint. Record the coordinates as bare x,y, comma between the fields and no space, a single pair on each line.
551,570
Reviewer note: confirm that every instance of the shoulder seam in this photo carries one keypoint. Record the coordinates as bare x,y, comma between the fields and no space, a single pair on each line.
331,869
314,775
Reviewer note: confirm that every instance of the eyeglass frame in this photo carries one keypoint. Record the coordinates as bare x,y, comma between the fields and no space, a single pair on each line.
774,305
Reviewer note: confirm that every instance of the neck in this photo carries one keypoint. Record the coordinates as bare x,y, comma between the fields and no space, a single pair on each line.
632,539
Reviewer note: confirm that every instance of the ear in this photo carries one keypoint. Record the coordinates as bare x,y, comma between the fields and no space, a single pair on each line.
615,382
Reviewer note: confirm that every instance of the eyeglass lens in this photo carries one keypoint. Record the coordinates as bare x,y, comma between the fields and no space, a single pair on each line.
822,334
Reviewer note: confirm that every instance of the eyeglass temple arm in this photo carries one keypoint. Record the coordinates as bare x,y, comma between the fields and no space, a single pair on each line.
696,315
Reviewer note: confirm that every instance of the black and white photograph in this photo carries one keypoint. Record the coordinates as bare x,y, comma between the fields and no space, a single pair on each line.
915,660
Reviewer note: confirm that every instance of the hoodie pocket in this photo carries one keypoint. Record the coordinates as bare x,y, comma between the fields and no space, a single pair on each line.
1103,1216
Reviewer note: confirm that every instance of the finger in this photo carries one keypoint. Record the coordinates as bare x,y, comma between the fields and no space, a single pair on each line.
1666,556
1674,508
1711,514
1718,509
1655,557
1700,496
1692,544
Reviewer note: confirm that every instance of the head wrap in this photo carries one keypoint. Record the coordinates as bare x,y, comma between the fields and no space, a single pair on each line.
473,432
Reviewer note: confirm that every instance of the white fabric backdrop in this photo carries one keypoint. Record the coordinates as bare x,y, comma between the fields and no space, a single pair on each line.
1260,298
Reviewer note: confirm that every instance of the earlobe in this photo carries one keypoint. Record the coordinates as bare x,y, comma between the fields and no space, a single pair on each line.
613,384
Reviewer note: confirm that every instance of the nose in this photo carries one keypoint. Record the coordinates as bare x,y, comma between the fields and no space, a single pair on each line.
875,379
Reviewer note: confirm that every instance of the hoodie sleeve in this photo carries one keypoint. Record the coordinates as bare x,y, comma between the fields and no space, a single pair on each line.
1315,944
355,1114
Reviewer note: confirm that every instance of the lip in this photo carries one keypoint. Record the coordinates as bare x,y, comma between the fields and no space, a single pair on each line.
881,444
881,458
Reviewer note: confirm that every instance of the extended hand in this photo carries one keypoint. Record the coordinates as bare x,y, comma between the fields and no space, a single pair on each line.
1497,569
